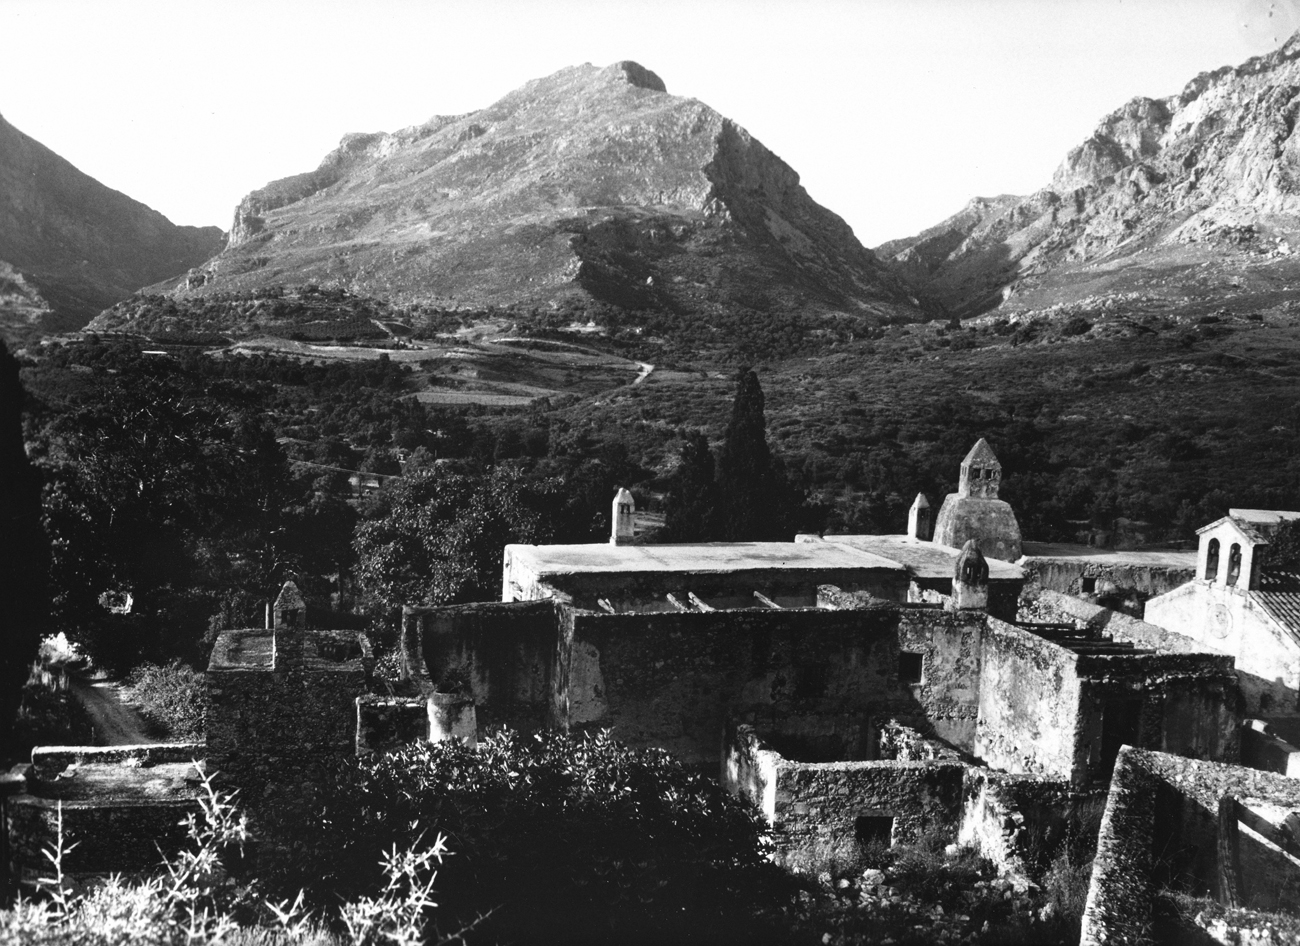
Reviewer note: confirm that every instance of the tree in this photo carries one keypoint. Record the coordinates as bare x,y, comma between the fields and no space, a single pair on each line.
435,536
756,501
1284,548
691,507
24,562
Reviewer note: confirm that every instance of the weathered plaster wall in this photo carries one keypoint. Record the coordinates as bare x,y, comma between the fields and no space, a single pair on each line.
990,521
1028,703
504,653
948,694
1230,621
671,680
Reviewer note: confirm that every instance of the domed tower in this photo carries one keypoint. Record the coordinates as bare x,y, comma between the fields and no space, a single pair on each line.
975,512
970,579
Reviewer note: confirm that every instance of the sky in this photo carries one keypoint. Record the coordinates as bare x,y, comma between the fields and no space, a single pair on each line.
895,113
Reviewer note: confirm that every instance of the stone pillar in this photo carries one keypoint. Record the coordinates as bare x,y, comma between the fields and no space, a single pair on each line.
623,530
918,519
970,580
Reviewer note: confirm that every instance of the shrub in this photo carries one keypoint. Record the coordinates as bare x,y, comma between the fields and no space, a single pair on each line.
192,900
565,838
171,698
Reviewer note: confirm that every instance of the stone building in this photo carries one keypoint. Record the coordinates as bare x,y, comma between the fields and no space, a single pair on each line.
1235,605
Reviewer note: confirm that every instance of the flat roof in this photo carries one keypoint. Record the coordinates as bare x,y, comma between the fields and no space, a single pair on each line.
925,559
707,557
1164,558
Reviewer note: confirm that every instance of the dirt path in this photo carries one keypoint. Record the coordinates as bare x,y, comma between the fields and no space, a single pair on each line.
116,724
645,371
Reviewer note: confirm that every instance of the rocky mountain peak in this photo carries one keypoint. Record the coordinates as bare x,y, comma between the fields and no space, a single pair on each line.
637,75
591,185
1217,163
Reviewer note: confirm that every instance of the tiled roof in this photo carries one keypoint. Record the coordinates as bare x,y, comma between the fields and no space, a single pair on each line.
1279,596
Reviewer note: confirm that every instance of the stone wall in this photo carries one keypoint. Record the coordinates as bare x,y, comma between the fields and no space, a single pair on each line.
1017,821
1137,581
122,808
283,730
672,680
1028,703
1161,829
823,813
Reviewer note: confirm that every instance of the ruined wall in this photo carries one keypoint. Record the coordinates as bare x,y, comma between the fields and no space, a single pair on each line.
1066,575
1017,821
1028,703
948,693
281,729
822,814
672,680
1161,829
1231,621
120,806
503,653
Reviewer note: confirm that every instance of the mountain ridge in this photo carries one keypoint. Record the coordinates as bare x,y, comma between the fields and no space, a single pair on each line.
71,246
588,186
1160,185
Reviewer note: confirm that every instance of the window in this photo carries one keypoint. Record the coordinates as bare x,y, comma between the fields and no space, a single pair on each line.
1234,565
910,667
874,830
1088,585
1212,560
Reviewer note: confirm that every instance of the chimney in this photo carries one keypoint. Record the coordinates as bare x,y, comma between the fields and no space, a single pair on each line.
623,529
289,629
970,580
918,519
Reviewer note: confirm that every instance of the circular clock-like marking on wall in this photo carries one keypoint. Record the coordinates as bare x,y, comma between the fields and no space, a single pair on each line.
1220,621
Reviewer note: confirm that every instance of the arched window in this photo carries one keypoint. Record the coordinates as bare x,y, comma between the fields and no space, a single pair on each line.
1234,564
1212,560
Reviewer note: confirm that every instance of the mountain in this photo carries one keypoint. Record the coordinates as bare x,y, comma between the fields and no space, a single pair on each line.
70,247
588,186
1189,201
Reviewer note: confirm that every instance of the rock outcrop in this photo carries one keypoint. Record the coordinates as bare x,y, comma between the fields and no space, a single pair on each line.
70,247
588,185
1209,176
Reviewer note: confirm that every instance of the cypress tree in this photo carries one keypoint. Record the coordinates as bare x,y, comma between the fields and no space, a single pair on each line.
24,561
691,507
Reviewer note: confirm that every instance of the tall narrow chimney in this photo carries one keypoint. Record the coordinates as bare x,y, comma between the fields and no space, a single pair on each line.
623,530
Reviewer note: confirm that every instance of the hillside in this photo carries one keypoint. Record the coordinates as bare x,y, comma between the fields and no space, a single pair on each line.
586,191
70,247
1187,201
